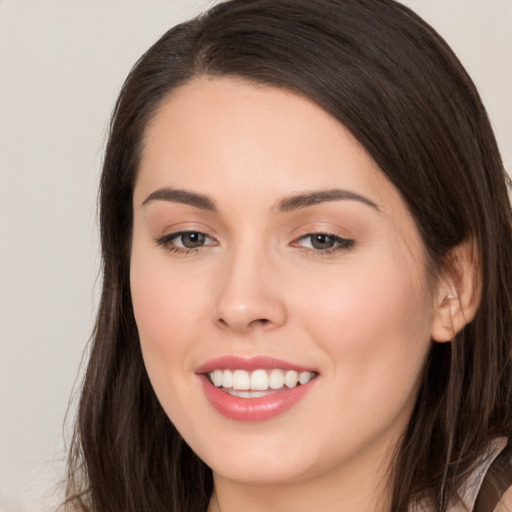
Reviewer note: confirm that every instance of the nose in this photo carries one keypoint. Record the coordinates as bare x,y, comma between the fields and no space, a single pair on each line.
250,295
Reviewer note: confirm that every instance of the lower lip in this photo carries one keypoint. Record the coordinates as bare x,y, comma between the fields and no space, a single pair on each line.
254,409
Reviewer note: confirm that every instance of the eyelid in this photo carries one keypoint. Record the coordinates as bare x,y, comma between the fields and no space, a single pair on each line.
167,241
177,234
338,239
342,242
325,225
322,228
168,230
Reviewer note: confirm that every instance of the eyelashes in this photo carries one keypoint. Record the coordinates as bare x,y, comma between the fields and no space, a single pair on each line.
185,242
323,243
191,242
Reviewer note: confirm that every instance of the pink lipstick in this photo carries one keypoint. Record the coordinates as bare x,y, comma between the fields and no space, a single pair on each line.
254,388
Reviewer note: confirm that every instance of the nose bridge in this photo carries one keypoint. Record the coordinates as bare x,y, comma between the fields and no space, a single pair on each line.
249,295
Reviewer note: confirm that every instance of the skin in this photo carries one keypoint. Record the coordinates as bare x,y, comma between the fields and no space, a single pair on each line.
362,316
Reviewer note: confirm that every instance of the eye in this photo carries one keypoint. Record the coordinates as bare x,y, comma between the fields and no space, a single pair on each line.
323,242
190,239
185,241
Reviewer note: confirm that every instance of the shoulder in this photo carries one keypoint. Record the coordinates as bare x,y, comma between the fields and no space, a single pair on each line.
473,492
480,491
494,490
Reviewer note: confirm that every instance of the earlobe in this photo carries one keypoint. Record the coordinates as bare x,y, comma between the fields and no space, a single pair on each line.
458,293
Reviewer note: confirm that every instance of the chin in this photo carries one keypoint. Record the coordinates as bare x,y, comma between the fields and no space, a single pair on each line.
258,459
259,472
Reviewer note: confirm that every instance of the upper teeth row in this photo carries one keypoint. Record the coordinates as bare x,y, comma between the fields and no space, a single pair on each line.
259,380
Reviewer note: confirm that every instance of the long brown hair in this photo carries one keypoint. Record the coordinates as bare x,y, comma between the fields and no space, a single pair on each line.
396,85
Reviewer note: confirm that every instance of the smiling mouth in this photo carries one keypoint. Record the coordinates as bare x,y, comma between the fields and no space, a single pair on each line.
258,383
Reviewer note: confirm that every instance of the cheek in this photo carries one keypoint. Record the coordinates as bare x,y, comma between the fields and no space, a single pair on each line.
375,327
167,308
166,300
164,308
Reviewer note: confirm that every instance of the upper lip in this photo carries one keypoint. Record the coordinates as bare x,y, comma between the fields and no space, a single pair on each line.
250,363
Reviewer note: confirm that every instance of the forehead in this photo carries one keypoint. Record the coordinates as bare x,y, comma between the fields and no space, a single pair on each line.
221,135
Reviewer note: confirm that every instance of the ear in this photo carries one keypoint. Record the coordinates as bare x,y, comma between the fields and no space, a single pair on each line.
458,292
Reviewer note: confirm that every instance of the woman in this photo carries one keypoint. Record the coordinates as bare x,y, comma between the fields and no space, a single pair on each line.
306,241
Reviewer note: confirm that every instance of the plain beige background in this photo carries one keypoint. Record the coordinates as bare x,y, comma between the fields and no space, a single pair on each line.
61,65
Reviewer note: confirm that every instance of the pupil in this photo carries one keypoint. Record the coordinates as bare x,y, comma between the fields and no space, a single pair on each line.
192,240
322,241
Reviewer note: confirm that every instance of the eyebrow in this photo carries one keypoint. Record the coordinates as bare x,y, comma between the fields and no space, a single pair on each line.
300,201
181,196
288,204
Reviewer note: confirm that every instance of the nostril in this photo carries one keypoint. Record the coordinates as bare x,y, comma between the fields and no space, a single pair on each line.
244,326
260,321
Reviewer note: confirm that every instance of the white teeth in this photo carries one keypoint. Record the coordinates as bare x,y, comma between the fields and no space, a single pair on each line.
227,379
305,377
217,378
248,394
241,380
291,378
258,380
276,380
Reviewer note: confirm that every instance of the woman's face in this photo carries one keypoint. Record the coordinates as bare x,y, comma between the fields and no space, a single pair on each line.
279,285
